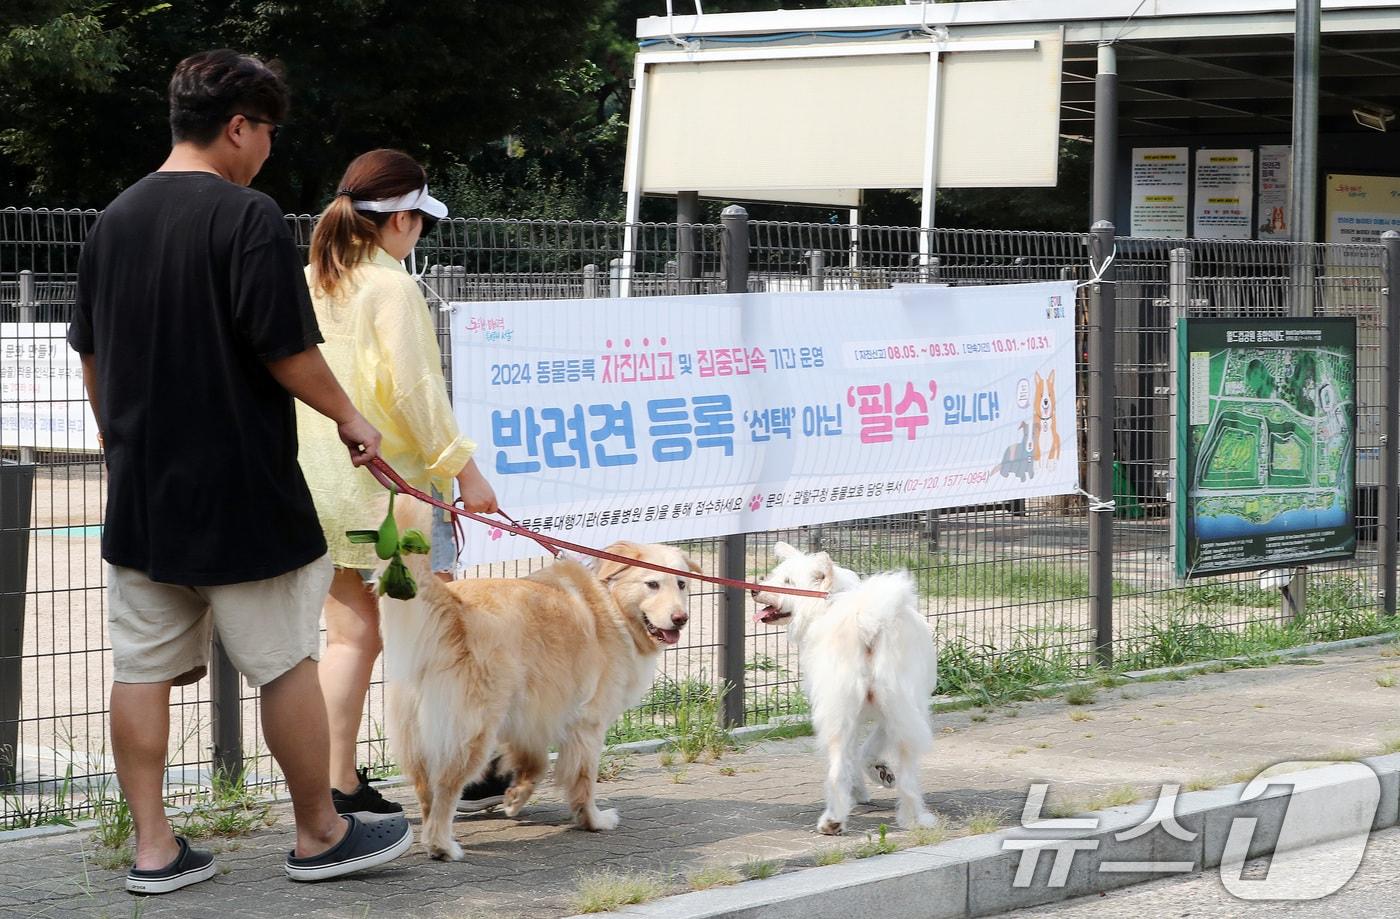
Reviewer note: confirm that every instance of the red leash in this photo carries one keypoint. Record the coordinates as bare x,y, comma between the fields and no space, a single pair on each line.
391,480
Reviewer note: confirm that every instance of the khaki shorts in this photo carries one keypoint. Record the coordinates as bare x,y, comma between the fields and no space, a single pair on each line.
161,631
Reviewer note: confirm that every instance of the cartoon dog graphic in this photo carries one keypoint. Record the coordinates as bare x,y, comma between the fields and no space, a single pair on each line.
1016,460
1045,424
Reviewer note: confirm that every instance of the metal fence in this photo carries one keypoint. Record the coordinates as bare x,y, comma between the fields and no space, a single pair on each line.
1041,586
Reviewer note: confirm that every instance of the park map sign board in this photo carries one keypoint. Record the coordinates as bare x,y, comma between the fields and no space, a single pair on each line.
1266,443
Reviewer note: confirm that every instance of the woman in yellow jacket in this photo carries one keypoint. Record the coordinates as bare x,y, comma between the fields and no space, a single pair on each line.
382,346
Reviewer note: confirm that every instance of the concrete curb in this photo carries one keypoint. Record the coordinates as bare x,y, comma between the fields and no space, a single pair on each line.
977,875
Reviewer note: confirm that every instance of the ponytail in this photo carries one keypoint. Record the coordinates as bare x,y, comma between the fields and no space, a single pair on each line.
343,235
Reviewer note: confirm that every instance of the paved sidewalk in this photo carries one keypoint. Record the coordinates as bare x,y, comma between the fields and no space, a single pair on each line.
763,802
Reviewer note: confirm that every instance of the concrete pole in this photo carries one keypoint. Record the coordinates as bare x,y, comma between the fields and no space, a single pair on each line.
1302,180
1103,309
1105,133
687,264
733,620
1388,502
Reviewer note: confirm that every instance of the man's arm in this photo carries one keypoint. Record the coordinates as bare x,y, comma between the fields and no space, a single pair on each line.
307,377
90,386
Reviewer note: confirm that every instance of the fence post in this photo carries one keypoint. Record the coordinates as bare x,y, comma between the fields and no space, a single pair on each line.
1388,501
16,494
816,269
1178,305
590,281
28,303
227,720
687,264
734,553
1102,328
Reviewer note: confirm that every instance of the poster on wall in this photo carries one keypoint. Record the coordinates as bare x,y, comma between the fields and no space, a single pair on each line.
1361,208
1160,186
1275,163
1266,439
1224,198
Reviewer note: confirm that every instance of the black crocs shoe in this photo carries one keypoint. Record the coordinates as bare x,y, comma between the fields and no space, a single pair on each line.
488,793
189,867
370,841
364,799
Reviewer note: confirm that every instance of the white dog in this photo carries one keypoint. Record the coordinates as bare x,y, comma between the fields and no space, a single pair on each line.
866,656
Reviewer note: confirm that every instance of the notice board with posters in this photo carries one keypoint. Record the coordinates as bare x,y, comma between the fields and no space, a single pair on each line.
1361,208
1266,443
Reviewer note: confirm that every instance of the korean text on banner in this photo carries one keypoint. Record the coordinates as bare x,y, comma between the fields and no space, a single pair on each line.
42,400
683,417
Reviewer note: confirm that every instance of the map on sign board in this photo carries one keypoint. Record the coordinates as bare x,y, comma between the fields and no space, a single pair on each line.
1266,443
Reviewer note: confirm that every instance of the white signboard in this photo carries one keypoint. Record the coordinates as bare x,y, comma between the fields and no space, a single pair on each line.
1224,200
1159,192
1275,162
42,401
670,418
1361,208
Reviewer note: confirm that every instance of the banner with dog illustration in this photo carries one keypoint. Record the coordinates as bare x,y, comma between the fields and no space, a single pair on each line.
666,418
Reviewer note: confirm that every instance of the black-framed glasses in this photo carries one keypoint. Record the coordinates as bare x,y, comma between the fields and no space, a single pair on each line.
272,132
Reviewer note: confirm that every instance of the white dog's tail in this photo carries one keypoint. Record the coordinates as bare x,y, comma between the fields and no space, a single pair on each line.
902,648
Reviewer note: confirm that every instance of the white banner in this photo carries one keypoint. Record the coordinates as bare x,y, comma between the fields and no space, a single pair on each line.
667,418
42,401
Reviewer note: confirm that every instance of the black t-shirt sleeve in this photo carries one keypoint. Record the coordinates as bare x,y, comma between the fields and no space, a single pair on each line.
80,337
272,309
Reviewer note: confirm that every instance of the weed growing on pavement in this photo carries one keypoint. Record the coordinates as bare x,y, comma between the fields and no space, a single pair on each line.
880,844
759,869
1385,681
713,876
924,836
607,890
613,765
830,855
982,822
1390,746
1080,716
227,808
114,823
1081,694
1201,783
21,813
1114,797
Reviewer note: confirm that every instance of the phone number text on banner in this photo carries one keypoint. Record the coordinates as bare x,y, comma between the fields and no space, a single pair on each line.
680,417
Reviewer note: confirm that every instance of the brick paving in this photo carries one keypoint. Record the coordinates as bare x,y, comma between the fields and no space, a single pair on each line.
763,801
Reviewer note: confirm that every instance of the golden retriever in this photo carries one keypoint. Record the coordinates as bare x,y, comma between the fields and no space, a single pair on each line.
517,665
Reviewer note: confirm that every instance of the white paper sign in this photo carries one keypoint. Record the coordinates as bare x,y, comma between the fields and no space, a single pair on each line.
42,401
1361,208
669,418
1224,200
1275,162
1159,192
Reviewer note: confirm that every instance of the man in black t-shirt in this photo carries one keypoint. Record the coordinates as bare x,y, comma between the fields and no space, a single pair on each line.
196,331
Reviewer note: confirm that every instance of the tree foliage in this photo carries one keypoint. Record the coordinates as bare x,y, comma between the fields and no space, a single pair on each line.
517,109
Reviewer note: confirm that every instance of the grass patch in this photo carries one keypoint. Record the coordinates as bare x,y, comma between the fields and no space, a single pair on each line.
879,844
1203,783
114,824
1082,694
1116,797
714,876
982,822
607,890
613,766
760,869
990,676
46,810
1080,716
226,809
924,836
1390,746
830,855
1385,681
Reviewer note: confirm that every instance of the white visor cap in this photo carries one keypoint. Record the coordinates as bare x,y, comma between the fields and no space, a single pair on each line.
418,200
